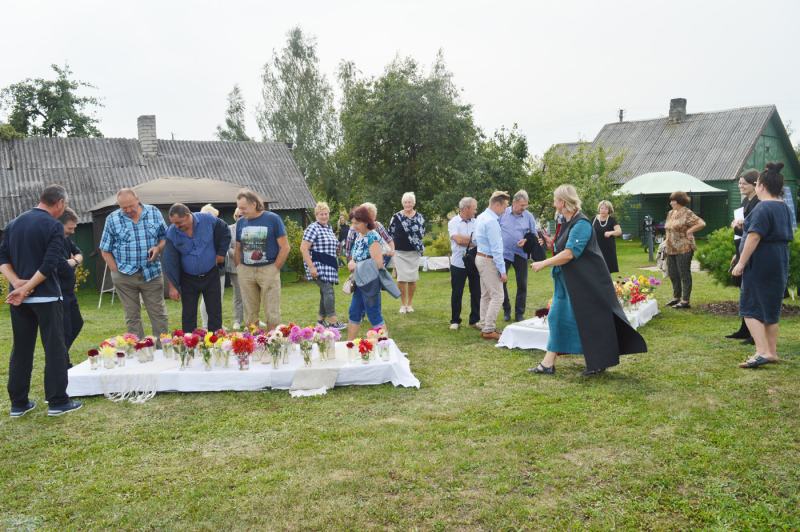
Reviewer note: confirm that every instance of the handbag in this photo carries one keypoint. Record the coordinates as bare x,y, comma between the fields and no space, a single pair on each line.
469,257
349,286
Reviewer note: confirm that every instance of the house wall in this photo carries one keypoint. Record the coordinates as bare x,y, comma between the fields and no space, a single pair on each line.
768,149
712,209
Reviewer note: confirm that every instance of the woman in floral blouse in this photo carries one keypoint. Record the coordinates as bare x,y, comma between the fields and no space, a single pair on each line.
681,223
407,229
367,246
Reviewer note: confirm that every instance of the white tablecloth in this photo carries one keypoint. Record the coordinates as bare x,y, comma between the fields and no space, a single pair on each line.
533,333
434,263
83,381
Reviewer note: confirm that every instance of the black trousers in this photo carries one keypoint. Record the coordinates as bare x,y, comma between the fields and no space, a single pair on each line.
73,321
458,278
26,321
521,273
191,288
680,273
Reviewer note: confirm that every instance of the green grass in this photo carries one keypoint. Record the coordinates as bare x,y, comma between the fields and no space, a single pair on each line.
679,438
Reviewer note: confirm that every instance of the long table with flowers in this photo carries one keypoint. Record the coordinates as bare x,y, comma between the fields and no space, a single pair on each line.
147,371
534,333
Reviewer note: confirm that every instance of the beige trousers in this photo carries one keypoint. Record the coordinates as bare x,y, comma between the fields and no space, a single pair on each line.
128,288
491,292
260,287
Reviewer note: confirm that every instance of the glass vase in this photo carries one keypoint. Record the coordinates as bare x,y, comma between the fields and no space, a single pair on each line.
121,359
306,352
276,360
365,357
257,354
372,353
330,346
207,359
189,357
244,362
94,363
384,353
109,362
216,353
168,352
142,356
351,355
151,354
129,353
285,351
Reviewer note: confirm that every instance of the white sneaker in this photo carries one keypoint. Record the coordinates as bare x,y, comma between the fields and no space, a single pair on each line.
454,326
236,325
402,310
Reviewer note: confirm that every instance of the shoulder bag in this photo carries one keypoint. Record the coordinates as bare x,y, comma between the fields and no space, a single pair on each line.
469,257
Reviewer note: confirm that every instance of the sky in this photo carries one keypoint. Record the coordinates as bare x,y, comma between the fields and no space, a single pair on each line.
560,70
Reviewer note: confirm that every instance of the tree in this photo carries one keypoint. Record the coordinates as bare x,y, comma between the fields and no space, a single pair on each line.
45,108
298,104
592,170
234,118
405,131
500,163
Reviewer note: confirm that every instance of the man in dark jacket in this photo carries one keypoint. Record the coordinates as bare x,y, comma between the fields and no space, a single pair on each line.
70,259
29,254
197,244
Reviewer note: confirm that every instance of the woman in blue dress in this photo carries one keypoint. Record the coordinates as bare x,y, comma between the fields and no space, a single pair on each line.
764,265
585,317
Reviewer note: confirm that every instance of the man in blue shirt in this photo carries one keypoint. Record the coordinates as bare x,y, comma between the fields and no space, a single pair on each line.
261,250
197,244
515,223
490,263
133,238
29,254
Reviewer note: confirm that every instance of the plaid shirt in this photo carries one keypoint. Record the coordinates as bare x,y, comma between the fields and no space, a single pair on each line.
128,242
351,237
323,240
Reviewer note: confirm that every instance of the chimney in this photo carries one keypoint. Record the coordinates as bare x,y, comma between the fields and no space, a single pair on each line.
147,135
677,110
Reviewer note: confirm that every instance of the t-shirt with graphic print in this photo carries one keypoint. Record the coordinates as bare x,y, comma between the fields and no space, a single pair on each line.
259,238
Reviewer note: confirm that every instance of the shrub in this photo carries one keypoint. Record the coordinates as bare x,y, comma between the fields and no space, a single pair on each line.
295,259
715,257
427,241
439,247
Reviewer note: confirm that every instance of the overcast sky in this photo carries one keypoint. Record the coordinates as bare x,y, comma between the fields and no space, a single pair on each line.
559,70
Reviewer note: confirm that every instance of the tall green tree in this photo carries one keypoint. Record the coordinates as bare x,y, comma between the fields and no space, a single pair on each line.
405,131
234,118
592,170
51,108
297,104
499,163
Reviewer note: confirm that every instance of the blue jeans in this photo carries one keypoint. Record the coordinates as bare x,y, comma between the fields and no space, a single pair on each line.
358,305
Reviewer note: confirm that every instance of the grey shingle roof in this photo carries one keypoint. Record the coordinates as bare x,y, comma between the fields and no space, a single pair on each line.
709,146
93,169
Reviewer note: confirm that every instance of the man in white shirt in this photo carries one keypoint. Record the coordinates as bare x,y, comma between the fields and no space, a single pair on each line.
490,263
460,228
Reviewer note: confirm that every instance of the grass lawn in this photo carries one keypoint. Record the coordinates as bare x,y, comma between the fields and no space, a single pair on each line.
679,438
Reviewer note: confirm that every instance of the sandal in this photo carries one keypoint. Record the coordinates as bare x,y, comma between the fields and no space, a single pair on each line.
672,303
546,370
757,360
682,305
589,372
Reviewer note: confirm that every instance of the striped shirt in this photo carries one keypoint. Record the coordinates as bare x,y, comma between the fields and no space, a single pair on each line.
128,241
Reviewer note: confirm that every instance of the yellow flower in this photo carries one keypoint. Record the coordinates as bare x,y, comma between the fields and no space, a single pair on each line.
109,352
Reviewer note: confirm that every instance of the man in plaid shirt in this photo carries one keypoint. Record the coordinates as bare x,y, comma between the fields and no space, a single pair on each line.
133,238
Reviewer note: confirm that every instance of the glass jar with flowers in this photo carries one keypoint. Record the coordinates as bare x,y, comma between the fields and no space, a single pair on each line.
120,358
166,346
304,338
109,354
331,337
383,348
366,350
351,352
275,345
243,349
94,358
141,353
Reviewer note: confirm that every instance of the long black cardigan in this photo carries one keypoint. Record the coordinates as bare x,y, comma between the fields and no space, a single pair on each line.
603,328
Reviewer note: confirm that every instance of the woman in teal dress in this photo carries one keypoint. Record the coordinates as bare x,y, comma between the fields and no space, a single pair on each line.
595,326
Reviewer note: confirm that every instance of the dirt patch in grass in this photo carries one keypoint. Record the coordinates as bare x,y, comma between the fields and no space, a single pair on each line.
727,309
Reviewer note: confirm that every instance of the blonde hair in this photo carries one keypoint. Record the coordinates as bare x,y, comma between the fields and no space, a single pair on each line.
607,205
569,196
210,208
373,210
321,206
237,213
498,196
411,196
